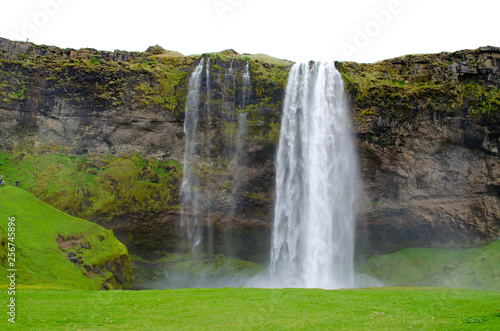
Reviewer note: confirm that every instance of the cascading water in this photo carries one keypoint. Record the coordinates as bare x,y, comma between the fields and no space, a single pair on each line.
242,131
238,158
316,174
208,113
208,118
230,82
190,189
197,239
246,86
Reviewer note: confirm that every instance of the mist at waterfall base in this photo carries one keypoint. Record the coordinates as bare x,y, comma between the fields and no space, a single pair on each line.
313,229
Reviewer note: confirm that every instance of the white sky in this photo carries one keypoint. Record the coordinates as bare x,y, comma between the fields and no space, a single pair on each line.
346,30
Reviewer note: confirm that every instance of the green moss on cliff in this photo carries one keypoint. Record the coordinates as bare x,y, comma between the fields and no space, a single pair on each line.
482,99
419,83
166,87
94,186
462,86
381,88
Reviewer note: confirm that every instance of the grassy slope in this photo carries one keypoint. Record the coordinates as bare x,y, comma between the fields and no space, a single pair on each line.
259,309
38,258
476,268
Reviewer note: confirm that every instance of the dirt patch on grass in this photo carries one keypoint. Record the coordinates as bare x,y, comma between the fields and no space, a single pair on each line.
69,242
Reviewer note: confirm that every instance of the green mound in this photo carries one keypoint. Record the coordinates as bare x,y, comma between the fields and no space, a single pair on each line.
476,268
56,250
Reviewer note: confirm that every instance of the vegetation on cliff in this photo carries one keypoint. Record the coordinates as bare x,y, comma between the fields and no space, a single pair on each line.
155,80
94,187
56,251
464,84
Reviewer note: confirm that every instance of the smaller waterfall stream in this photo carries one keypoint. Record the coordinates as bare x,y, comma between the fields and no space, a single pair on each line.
190,194
238,158
246,86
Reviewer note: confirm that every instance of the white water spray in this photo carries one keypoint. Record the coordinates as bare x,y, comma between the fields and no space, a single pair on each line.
316,174
190,187
208,113
246,85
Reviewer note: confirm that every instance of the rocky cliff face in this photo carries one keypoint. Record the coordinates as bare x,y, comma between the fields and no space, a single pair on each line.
428,138
426,126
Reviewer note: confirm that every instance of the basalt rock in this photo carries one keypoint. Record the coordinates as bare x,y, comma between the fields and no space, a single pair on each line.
428,140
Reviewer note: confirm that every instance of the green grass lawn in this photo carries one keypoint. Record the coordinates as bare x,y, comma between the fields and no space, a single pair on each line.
257,309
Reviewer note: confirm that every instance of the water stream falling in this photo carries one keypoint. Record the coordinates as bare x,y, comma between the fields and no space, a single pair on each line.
208,112
238,158
246,86
190,194
230,82
238,161
196,196
316,172
208,151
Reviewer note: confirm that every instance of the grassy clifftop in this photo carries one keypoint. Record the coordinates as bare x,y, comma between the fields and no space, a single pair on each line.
58,251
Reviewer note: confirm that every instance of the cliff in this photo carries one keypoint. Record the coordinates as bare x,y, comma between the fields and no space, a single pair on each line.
428,137
426,126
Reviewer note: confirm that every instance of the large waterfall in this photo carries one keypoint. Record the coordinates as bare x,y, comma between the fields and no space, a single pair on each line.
316,174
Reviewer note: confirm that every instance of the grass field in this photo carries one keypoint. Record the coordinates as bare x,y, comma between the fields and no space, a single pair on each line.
257,309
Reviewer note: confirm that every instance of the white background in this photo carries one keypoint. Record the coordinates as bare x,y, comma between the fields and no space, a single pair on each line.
354,30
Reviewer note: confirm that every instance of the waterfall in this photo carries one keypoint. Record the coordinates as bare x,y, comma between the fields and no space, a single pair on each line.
208,113
208,147
242,132
246,86
238,159
190,194
316,172
237,163
230,82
